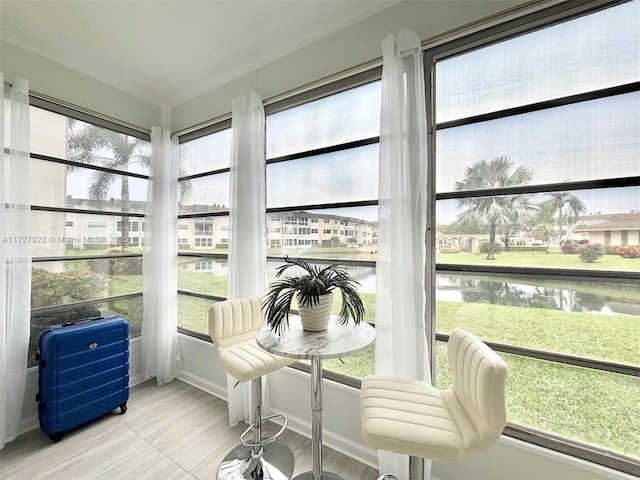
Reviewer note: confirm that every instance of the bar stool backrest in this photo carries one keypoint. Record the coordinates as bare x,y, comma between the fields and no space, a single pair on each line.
479,384
235,320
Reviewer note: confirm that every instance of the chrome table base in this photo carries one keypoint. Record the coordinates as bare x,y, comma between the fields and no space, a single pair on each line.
335,342
275,463
325,476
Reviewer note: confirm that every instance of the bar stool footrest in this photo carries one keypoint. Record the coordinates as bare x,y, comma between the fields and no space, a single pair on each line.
263,440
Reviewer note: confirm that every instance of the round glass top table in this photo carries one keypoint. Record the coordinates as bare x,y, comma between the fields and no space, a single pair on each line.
334,342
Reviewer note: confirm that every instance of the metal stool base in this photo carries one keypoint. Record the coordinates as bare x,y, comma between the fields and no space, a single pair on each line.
275,463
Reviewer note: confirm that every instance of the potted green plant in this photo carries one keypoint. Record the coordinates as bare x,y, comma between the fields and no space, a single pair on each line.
314,291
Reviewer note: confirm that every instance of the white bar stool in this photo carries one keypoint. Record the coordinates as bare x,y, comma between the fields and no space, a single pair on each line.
233,325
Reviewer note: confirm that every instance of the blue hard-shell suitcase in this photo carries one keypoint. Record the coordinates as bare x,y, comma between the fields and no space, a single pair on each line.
83,372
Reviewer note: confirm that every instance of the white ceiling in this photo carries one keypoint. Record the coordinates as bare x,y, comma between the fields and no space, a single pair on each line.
168,51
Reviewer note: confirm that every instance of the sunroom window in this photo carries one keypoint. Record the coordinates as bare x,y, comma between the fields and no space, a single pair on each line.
203,213
537,141
322,168
86,180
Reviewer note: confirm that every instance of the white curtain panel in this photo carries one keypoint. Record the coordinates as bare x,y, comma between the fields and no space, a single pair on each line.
401,347
15,255
247,225
160,350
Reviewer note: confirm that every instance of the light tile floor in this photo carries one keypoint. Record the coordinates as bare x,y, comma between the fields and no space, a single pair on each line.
173,432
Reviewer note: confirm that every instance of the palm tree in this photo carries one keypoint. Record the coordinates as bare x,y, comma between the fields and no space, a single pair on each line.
568,208
493,212
522,213
95,145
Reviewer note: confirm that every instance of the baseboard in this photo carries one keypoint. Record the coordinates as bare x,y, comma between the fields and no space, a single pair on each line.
204,385
338,443
137,380
30,423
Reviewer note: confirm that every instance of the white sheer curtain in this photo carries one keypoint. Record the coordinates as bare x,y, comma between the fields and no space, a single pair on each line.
401,347
15,255
160,351
247,221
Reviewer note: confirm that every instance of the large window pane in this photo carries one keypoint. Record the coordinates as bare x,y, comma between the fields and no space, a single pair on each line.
597,320
57,233
66,285
86,189
583,141
203,275
589,53
327,233
193,313
528,254
204,195
87,143
208,194
205,154
344,176
340,118
70,281
340,233
554,230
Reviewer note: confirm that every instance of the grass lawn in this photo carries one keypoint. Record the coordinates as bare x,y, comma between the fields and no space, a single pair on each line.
553,259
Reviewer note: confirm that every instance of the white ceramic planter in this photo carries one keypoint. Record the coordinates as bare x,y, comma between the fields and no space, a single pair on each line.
316,318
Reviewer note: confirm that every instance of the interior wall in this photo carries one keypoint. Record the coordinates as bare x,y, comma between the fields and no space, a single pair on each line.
68,85
344,50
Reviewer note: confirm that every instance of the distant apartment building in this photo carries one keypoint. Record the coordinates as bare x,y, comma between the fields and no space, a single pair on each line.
284,230
304,229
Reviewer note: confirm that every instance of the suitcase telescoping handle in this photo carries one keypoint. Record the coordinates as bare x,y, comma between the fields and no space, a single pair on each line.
84,320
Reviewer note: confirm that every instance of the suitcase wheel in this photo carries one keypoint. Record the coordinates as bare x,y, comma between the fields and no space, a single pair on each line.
123,409
56,437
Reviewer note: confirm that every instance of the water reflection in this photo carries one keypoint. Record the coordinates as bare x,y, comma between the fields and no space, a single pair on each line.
575,297
614,298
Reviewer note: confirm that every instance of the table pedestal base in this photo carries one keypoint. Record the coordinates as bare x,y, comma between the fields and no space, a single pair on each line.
325,476
276,462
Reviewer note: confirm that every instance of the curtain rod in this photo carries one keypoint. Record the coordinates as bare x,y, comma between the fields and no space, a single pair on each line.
40,99
45,100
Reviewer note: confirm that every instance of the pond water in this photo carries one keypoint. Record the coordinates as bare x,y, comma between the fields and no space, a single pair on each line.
566,296
574,296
